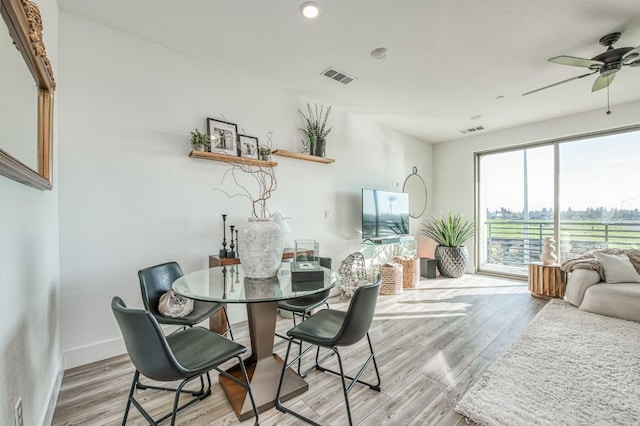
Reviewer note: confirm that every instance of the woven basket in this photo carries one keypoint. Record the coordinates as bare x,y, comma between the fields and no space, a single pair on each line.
391,274
410,270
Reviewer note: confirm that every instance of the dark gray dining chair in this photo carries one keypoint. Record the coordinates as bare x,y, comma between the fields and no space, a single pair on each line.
157,280
331,329
185,355
301,307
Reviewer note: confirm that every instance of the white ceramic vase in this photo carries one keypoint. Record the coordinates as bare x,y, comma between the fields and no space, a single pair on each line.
548,256
260,246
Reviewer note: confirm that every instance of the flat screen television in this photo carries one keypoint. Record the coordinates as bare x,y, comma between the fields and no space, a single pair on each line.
385,214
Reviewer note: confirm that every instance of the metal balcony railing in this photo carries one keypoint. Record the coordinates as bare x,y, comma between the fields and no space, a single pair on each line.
517,243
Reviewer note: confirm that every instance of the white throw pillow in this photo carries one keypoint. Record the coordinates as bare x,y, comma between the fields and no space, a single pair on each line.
618,269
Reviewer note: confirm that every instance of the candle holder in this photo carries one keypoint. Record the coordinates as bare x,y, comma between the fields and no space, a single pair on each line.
223,250
237,251
231,252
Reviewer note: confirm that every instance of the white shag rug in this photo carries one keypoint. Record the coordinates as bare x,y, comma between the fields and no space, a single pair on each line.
569,367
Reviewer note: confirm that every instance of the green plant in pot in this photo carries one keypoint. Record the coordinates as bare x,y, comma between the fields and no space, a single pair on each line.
450,231
316,128
265,153
200,141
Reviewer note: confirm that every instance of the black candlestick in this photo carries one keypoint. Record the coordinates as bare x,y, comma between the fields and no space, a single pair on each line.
237,251
231,253
223,250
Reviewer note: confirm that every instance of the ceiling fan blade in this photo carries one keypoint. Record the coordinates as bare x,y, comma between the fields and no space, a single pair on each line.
574,62
602,82
632,58
561,82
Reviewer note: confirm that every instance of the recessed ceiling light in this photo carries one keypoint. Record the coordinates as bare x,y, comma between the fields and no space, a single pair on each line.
476,117
379,53
310,9
499,97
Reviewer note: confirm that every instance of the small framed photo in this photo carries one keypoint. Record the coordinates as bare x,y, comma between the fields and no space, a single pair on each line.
248,146
224,137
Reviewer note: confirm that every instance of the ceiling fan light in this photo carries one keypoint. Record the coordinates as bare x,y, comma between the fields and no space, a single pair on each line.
310,9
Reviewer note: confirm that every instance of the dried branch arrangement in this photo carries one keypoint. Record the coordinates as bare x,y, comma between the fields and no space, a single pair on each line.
258,188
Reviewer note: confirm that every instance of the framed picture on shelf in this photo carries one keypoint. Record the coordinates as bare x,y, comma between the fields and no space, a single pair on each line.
224,137
248,146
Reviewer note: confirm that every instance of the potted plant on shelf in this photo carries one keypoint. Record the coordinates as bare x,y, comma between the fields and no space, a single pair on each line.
200,141
265,153
316,129
450,231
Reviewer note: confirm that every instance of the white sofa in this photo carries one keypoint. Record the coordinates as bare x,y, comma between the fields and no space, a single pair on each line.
586,290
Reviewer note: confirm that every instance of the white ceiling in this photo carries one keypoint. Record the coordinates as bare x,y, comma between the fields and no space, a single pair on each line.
448,59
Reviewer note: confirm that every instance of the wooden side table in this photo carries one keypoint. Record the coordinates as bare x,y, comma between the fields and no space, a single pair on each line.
546,281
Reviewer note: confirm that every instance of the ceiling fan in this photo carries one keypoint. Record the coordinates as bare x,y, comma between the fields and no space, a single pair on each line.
607,63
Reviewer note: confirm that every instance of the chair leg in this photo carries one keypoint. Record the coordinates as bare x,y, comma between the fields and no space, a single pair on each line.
278,403
198,396
344,387
229,330
133,386
253,402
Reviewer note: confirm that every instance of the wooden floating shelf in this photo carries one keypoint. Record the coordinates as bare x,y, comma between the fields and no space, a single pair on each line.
300,156
231,159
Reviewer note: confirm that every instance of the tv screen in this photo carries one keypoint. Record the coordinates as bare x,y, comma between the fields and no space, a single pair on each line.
384,213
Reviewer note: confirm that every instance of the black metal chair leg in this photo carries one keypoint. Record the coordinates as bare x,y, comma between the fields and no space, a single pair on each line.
133,386
344,387
253,402
229,330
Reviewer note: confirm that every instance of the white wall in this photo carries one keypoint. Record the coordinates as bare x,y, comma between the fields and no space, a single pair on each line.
30,354
453,162
130,197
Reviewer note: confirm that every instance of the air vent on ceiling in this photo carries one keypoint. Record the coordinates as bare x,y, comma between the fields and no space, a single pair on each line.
472,129
336,75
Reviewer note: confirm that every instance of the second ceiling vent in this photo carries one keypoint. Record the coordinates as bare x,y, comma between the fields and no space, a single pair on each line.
339,76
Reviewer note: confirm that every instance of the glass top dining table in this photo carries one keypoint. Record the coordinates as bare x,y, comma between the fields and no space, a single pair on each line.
227,284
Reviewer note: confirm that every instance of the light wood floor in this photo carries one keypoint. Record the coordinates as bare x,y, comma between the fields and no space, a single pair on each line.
431,343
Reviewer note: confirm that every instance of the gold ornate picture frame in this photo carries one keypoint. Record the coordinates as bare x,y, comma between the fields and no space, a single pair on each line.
24,24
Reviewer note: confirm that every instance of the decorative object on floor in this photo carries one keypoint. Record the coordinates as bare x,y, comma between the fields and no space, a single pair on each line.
261,244
416,188
231,252
450,231
391,274
569,367
410,270
223,250
546,281
224,137
315,128
352,273
548,255
427,267
200,141
248,146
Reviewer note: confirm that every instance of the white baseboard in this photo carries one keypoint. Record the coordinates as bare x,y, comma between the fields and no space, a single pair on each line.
114,347
47,415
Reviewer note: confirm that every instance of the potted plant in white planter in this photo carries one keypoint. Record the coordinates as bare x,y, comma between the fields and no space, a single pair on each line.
200,141
450,231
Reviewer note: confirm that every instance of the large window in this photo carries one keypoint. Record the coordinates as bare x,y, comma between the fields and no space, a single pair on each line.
593,182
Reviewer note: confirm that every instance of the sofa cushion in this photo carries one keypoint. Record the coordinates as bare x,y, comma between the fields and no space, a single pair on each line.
579,281
615,300
618,269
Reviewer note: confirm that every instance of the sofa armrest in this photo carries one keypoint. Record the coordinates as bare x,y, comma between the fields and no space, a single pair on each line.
579,281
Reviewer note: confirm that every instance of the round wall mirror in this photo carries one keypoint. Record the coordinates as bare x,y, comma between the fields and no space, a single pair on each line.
414,186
